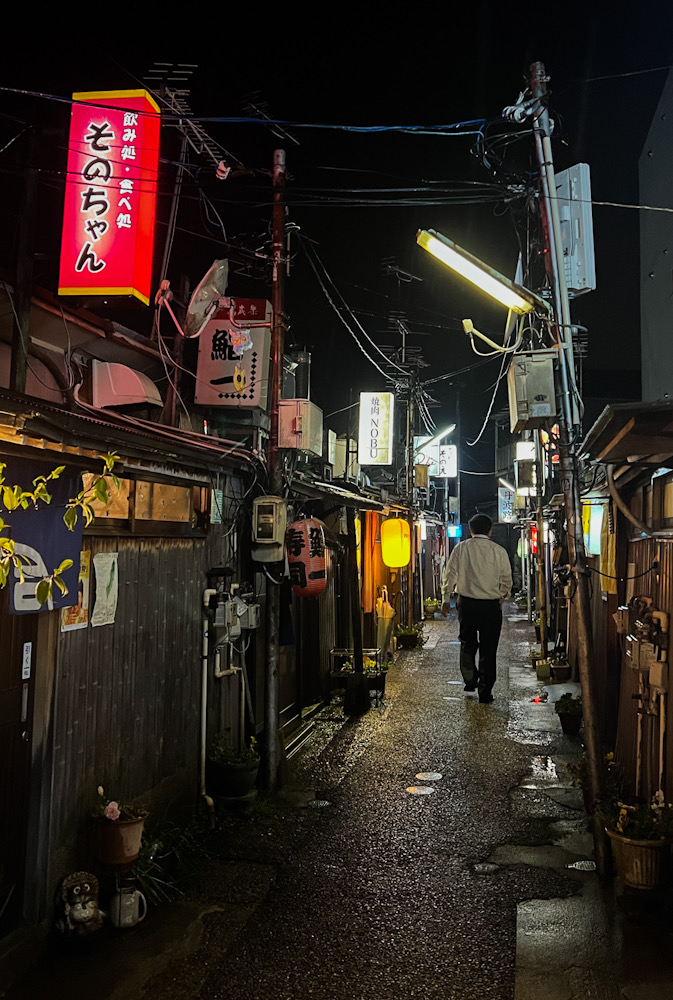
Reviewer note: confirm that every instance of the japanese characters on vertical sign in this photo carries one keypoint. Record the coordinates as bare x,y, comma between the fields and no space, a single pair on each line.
447,466
305,544
375,432
506,512
234,352
110,195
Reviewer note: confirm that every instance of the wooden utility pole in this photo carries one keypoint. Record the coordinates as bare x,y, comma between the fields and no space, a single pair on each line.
272,757
23,288
569,430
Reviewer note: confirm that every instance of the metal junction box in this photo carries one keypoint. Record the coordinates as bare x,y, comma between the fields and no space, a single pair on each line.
300,426
573,193
530,386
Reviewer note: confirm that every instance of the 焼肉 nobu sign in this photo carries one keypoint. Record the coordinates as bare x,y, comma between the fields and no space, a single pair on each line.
375,432
110,195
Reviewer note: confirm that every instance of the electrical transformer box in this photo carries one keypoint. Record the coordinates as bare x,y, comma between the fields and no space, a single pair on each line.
300,426
530,386
573,195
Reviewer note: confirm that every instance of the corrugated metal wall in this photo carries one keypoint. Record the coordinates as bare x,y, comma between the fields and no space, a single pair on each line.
127,695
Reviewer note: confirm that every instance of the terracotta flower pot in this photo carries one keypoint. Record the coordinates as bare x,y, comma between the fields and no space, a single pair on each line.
641,864
116,843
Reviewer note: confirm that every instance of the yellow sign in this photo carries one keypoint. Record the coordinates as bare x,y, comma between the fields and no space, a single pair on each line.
375,437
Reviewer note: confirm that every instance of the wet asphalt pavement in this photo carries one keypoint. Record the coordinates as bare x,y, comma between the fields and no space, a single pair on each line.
352,886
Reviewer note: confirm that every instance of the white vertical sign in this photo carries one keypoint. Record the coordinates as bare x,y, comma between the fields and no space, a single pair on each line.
375,432
448,462
506,513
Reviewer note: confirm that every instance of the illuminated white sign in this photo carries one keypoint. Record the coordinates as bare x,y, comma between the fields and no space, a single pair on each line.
375,435
448,462
506,513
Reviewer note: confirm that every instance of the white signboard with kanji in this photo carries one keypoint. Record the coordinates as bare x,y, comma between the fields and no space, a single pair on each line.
234,356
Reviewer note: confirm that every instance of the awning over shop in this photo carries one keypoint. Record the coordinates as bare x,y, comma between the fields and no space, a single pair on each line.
321,490
633,433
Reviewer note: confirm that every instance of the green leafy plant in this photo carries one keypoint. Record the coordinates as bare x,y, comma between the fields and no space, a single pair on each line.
114,810
386,665
221,751
642,821
15,498
431,602
569,704
416,629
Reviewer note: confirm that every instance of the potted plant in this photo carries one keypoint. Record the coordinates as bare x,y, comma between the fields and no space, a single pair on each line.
409,636
560,668
641,836
430,606
117,832
231,771
376,674
569,710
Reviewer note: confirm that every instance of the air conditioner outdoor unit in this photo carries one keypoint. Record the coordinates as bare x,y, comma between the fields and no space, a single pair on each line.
118,385
300,426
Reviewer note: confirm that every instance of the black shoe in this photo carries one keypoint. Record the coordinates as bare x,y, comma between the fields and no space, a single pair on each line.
485,699
469,687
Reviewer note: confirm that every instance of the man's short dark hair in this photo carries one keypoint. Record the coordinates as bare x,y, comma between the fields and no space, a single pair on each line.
480,524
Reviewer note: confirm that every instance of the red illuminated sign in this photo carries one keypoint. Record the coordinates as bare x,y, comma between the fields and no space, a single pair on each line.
110,195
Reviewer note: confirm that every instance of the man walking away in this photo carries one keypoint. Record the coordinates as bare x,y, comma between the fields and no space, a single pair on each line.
479,571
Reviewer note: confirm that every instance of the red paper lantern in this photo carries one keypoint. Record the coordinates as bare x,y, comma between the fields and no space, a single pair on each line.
305,544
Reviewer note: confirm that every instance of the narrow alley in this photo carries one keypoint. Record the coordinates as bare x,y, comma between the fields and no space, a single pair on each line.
432,848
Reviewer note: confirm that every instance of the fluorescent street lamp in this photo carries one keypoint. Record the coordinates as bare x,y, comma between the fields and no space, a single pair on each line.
429,442
515,297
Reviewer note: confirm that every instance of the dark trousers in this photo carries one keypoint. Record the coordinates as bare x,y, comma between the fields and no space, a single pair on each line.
480,624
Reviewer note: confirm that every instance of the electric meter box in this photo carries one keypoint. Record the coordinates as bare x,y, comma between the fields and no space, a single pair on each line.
269,521
573,197
300,426
531,390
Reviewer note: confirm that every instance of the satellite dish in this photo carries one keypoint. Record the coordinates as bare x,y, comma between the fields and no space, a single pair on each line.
206,298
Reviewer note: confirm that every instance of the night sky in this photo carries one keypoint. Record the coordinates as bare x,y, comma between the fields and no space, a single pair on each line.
374,65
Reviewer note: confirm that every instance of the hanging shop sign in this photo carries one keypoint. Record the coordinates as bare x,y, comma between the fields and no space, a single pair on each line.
447,466
506,512
110,195
375,433
395,542
426,452
234,352
305,545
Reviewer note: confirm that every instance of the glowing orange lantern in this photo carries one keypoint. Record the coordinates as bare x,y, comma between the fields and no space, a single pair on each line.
395,542
305,544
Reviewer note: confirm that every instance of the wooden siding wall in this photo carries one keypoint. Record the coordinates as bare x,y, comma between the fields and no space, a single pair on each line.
127,695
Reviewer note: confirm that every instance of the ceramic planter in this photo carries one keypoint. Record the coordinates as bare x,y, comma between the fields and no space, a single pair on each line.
408,641
641,864
231,780
116,843
570,724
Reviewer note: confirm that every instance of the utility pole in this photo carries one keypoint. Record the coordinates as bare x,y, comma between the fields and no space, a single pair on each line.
569,430
541,575
23,289
271,761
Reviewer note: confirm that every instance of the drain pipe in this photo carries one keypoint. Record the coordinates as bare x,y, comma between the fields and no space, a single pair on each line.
204,707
